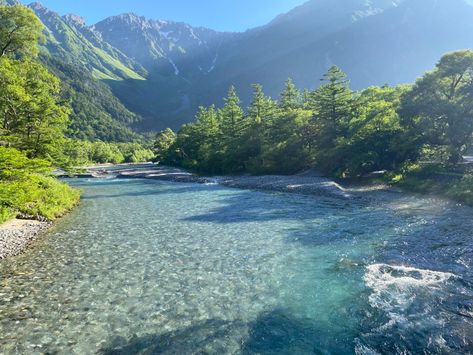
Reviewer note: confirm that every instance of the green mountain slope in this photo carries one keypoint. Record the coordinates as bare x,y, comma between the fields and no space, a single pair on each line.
82,61
65,40
97,114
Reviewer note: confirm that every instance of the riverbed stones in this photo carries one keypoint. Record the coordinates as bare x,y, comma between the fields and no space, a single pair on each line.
17,234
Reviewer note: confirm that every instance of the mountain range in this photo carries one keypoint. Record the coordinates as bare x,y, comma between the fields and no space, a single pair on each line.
152,74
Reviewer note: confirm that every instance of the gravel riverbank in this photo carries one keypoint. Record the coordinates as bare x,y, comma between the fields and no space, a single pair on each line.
16,235
306,184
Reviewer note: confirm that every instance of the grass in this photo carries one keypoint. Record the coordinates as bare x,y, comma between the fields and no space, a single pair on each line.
454,182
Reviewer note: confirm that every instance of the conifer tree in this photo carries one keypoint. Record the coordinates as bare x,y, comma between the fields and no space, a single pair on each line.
290,97
232,116
332,104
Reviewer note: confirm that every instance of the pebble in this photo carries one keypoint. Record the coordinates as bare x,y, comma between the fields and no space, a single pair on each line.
301,184
16,235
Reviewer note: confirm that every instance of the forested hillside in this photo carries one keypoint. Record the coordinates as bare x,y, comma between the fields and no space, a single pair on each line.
82,61
163,70
97,114
405,131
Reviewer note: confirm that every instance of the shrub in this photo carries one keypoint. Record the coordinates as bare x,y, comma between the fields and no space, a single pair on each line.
26,187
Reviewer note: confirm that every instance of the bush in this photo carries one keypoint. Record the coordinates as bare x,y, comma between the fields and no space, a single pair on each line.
27,188
81,153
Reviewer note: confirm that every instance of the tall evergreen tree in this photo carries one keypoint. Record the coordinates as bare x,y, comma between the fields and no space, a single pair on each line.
332,104
232,116
290,98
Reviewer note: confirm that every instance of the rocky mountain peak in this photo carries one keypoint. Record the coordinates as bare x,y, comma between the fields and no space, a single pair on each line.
74,20
37,6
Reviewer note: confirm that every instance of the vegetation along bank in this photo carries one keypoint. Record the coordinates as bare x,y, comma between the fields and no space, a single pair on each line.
413,136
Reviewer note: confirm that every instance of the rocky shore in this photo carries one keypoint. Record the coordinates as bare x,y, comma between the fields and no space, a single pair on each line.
306,184
17,234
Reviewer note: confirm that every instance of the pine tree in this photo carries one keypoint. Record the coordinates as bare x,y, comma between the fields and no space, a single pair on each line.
332,104
232,116
290,98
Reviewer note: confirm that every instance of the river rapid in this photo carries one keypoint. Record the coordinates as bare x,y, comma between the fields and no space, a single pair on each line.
151,267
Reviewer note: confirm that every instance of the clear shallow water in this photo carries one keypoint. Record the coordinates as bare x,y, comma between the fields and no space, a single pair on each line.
156,267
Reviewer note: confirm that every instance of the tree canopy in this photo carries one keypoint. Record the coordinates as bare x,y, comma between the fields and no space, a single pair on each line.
439,108
332,128
20,31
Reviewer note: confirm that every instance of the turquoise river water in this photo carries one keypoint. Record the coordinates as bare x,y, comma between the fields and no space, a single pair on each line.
157,267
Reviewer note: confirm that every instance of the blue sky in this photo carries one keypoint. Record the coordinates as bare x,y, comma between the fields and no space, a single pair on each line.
224,15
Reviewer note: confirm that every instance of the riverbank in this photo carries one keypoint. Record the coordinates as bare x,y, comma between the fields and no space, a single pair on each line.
17,234
451,182
308,183
454,188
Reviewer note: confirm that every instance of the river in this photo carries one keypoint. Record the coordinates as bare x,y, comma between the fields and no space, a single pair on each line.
148,267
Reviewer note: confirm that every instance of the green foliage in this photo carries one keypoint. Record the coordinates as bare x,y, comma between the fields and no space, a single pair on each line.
96,113
32,117
453,181
20,31
231,115
291,97
32,124
438,110
80,153
164,141
374,136
27,188
332,104
333,129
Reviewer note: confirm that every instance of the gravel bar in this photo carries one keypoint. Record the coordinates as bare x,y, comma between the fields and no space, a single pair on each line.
16,235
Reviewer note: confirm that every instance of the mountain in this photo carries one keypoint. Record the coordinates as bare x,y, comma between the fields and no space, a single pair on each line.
160,45
69,40
375,42
82,61
176,56
163,70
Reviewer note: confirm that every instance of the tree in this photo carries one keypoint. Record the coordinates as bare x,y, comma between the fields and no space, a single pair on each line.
261,114
332,104
164,140
439,108
375,138
287,149
31,112
231,116
20,31
233,126
290,98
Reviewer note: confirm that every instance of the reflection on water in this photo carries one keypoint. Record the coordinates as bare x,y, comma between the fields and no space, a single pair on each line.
156,267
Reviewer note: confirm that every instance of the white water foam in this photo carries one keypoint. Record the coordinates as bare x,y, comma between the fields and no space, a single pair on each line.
395,288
